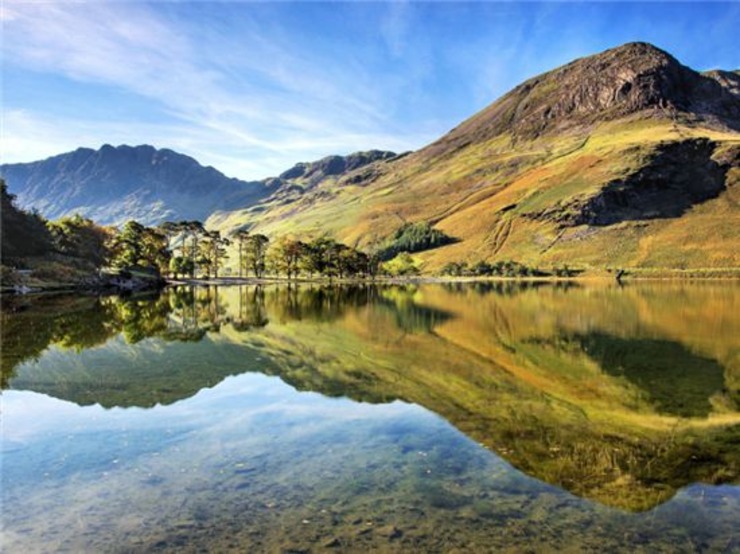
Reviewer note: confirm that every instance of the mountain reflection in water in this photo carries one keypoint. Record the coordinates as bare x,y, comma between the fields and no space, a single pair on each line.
621,395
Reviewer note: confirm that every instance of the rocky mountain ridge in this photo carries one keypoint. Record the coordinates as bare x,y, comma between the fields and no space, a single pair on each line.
114,184
635,78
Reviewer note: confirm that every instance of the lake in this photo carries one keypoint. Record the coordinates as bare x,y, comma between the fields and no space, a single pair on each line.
421,418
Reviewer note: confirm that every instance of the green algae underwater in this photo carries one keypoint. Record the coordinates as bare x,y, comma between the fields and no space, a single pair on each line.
432,418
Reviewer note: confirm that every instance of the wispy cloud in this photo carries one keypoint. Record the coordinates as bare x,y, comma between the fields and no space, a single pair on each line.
253,87
395,26
257,103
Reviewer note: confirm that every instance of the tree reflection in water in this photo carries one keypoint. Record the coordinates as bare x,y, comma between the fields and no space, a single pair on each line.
623,395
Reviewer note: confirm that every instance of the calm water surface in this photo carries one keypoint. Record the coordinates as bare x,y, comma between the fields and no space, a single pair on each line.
438,418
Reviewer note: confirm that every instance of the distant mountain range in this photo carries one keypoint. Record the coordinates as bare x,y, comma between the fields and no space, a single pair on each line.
625,158
114,184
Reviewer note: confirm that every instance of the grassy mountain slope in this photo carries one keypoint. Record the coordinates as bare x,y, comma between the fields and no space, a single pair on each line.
625,158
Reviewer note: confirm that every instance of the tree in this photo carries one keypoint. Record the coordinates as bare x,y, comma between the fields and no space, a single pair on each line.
140,246
374,264
212,252
401,265
173,231
413,237
180,265
347,261
255,252
191,230
128,245
327,257
482,268
241,236
319,256
286,256
456,269
81,238
22,233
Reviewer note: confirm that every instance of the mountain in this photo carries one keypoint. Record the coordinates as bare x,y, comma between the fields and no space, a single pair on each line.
626,158
114,184
305,182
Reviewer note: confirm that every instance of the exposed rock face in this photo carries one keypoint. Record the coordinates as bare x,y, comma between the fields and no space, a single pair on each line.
730,80
313,172
630,79
357,168
676,177
114,184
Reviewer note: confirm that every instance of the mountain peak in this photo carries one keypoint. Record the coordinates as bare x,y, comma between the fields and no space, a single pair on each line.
639,48
634,78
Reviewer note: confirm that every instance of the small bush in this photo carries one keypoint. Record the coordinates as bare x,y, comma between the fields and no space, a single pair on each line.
402,265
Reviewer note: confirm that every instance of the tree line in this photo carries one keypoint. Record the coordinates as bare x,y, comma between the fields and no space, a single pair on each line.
194,248
178,249
504,268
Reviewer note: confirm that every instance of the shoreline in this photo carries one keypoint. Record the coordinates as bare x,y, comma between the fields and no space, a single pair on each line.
601,277
596,276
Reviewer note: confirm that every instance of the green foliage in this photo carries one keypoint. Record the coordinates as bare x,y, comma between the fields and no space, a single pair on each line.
184,237
140,246
565,271
241,236
255,255
323,256
286,256
80,237
456,269
180,265
505,268
402,265
413,237
252,250
212,252
332,259
22,233
320,256
351,262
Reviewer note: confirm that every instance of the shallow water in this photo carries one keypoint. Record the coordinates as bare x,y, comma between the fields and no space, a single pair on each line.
439,418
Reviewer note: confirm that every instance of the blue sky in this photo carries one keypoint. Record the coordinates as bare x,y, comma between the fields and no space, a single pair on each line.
254,87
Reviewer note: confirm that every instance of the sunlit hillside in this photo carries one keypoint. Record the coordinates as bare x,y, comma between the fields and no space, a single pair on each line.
615,167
